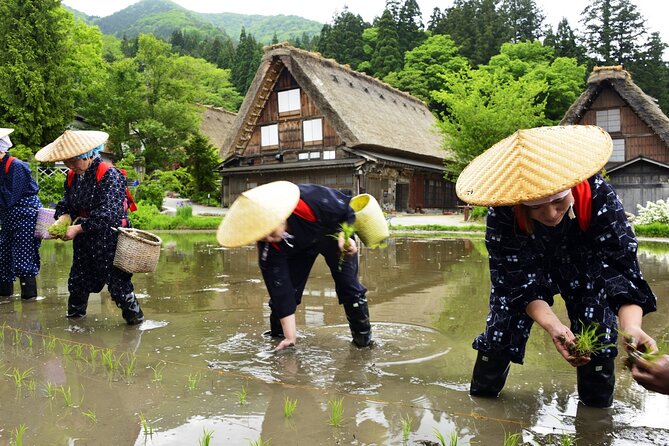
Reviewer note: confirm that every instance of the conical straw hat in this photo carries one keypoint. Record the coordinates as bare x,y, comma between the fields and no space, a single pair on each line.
70,144
370,223
4,132
534,163
257,212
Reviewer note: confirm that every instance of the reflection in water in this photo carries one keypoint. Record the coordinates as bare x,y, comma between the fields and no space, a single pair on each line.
202,347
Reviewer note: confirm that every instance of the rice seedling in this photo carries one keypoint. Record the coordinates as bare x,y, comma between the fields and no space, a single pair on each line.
567,440
17,337
58,230
2,331
50,390
91,416
193,381
346,230
49,343
128,369
31,385
205,440
29,339
67,396
78,351
66,348
20,378
259,442
147,428
242,394
440,437
336,411
158,372
289,407
511,439
108,359
92,355
587,341
406,427
17,436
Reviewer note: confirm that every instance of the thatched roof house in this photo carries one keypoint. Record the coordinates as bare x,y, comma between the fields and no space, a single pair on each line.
216,123
309,119
638,127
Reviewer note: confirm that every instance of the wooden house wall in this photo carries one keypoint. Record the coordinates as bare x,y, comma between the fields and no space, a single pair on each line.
639,137
640,183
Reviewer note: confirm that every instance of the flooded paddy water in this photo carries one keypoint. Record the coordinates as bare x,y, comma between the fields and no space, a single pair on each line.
200,365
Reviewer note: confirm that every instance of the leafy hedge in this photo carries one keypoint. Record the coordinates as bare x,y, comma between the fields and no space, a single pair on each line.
652,230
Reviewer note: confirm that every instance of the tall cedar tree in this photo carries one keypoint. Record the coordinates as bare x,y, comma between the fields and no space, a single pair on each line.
651,73
524,19
202,161
387,56
565,42
246,62
342,40
613,31
410,26
36,86
477,28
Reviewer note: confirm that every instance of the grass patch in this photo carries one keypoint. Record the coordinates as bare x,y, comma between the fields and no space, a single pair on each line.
652,230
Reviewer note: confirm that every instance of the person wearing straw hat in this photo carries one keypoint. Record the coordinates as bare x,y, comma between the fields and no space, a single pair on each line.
293,224
96,200
19,248
554,226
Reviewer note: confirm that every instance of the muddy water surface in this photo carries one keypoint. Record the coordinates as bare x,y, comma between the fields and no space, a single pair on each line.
200,365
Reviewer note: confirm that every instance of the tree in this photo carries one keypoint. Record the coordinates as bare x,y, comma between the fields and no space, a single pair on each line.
202,160
246,61
613,31
409,26
342,40
386,56
36,85
564,42
524,19
425,67
651,73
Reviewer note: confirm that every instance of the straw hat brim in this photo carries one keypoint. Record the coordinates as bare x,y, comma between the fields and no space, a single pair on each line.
534,163
257,212
70,144
4,132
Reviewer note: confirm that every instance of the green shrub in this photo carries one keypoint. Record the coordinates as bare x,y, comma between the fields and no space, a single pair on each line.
145,213
652,230
654,212
51,189
478,213
151,192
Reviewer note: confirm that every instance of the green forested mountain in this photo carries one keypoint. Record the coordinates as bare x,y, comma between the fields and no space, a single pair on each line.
162,17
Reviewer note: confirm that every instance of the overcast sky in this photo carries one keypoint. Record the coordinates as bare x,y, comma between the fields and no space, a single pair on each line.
656,12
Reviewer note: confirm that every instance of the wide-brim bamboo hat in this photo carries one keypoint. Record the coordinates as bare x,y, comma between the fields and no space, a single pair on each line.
534,163
70,144
257,212
4,132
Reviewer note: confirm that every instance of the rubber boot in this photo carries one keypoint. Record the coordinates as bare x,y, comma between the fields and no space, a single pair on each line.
489,376
6,289
357,314
130,309
275,328
28,288
596,381
76,306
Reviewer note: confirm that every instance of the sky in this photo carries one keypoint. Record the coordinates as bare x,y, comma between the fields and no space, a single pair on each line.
655,12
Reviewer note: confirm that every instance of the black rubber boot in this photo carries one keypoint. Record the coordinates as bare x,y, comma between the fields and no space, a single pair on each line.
130,309
596,381
28,288
275,328
489,376
357,314
6,289
76,306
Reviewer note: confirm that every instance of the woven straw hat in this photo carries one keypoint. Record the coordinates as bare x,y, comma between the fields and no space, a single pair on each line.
370,223
70,144
4,132
257,212
533,164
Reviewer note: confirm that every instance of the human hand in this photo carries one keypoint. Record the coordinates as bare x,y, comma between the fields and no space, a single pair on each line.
64,219
652,375
564,339
285,343
637,339
72,232
348,249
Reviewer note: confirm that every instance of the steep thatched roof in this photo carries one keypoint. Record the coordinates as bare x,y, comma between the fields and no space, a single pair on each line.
364,111
620,80
216,124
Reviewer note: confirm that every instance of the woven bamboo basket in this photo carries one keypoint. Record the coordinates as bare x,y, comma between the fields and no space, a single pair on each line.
370,223
44,220
136,251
